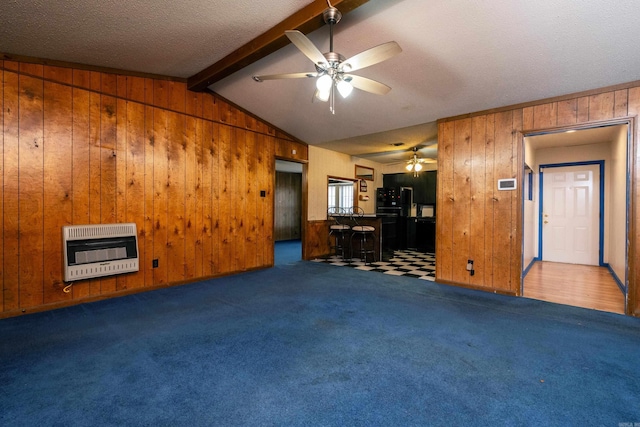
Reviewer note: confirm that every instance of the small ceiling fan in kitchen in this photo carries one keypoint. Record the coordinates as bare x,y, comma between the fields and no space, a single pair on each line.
415,163
333,70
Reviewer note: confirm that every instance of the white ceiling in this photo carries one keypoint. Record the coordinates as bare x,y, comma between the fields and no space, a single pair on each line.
458,56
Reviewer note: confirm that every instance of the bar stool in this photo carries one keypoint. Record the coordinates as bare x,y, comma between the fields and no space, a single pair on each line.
337,230
363,234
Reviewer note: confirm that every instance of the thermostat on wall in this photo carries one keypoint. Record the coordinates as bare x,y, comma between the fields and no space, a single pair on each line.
507,184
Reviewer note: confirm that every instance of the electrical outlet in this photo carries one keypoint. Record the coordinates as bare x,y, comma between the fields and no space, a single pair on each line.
155,263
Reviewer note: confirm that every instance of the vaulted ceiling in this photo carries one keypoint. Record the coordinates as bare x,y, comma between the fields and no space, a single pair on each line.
458,56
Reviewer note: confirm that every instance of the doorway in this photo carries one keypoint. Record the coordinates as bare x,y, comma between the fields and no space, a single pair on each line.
575,215
288,212
572,213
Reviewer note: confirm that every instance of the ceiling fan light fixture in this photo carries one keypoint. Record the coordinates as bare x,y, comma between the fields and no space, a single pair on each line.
418,167
410,167
344,88
323,84
323,95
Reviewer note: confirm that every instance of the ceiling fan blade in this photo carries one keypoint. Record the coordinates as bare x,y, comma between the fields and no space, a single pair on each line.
306,47
371,56
367,85
284,76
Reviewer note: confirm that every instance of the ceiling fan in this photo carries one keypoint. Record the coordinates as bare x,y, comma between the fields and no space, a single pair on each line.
415,164
332,69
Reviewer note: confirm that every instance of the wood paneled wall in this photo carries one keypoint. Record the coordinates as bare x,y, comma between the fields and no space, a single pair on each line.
477,222
86,147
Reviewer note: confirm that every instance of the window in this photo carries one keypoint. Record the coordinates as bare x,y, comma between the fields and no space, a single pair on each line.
341,194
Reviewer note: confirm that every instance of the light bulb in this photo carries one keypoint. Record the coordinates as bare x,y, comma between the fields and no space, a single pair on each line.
323,95
324,83
418,167
409,167
344,88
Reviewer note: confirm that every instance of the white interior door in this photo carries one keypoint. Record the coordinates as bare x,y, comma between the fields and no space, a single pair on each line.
571,213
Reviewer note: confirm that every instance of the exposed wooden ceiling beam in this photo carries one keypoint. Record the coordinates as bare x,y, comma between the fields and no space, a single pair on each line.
305,20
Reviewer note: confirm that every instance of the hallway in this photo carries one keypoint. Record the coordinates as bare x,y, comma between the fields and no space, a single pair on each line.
577,285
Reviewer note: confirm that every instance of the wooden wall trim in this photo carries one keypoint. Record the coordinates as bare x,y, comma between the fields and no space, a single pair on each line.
86,67
555,99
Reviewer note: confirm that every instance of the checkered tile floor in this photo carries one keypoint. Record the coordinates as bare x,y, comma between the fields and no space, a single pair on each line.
403,263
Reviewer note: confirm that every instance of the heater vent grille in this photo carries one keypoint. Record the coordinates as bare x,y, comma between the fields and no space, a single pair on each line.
97,250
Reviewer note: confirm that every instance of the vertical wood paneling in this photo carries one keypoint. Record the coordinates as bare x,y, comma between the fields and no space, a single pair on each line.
31,189
10,215
478,199
601,106
160,184
502,213
135,185
216,220
109,84
528,117
107,147
194,103
567,112
620,103
583,109
545,115
462,199
58,74
490,189
58,175
445,205
267,202
515,236
177,96
225,200
35,70
88,150
81,170
82,79
209,199
135,89
94,165
192,243
198,212
176,197
262,142
121,154
237,182
249,213
149,224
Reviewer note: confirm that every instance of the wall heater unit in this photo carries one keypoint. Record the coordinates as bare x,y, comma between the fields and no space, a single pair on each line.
98,250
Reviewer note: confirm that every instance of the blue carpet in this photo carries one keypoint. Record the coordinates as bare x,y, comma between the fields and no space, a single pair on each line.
287,251
312,344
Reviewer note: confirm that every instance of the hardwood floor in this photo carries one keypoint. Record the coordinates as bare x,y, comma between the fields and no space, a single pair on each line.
578,285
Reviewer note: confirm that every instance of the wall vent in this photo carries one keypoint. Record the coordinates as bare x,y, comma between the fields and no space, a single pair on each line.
98,250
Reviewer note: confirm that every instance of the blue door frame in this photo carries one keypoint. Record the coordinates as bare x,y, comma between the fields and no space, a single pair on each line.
601,207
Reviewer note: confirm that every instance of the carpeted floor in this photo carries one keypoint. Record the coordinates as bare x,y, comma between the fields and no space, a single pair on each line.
311,344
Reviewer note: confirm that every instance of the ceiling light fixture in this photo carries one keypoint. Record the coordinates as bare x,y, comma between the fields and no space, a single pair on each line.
332,69
414,165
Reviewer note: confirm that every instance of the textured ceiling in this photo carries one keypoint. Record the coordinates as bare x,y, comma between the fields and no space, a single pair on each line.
458,56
